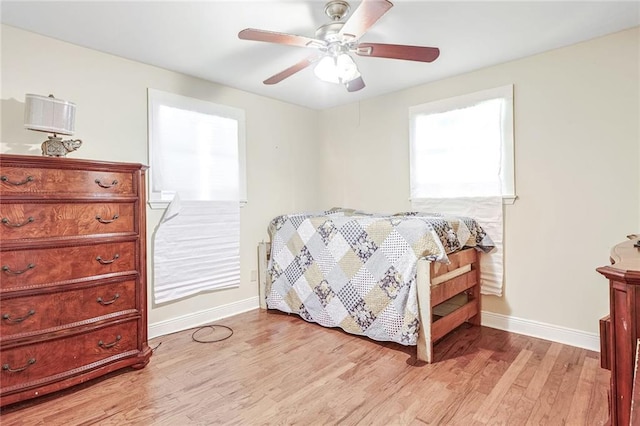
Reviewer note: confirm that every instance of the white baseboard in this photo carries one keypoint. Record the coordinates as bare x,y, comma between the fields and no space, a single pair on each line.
196,319
554,333
567,336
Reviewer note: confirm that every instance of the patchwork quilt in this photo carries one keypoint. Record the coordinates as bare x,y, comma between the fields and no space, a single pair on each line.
356,270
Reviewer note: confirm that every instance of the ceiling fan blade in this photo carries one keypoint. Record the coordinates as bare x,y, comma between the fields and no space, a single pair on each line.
277,78
364,17
280,38
398,51
355,85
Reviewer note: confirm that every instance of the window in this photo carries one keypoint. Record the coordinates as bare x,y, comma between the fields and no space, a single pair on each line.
196,149
463,146
196,154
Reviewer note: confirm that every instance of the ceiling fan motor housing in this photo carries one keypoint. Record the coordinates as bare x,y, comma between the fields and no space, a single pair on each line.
330,32
336,9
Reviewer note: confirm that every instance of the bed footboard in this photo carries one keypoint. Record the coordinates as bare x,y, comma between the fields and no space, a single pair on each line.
264,251
437,284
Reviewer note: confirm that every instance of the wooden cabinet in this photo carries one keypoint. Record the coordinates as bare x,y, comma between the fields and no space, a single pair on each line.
619,344
635,399
72,272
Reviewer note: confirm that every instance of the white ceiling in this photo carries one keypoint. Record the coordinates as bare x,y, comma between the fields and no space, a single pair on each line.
199,38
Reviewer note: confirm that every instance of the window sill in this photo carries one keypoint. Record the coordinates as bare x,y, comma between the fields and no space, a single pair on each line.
509,199
162,205
506,199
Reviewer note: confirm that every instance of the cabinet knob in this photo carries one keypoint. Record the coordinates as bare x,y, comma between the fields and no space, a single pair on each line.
101,220
7,367
106,185
107,262
7,269
7,317
109,345
7,222
107,302
5,179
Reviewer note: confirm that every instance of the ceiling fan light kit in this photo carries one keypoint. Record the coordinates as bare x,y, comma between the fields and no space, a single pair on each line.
339,69
335,41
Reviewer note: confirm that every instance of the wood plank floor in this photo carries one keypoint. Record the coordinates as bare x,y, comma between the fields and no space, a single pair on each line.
279,369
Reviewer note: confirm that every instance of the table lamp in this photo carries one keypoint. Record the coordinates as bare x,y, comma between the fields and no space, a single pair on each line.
51,115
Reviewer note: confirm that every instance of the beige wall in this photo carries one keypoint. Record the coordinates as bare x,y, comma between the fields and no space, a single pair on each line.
577,149
111,94
577,156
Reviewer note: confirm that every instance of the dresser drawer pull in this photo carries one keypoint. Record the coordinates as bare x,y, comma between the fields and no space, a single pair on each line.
107,262
106,185
5,179
8,318
108,302
101,220
7,222
8,270
6,367
109,345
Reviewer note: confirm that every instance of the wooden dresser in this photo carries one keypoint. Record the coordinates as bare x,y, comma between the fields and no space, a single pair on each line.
72,272
622,328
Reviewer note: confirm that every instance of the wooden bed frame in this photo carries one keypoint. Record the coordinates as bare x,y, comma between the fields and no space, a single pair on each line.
437,316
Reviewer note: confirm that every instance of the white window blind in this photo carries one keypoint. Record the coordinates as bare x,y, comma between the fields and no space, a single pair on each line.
196,249
197,164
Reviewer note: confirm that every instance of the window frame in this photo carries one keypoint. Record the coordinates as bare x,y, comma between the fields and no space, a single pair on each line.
464,101
156,98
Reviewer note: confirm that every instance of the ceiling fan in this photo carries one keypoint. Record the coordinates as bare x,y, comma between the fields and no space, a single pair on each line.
335,41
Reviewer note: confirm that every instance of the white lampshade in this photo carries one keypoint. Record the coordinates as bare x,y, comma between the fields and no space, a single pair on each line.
337,69
48,114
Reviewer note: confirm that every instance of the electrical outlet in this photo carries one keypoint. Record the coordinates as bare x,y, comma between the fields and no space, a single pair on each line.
254,275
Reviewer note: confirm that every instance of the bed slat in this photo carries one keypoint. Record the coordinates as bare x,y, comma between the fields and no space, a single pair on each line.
445,324
450,275
448,289
457,260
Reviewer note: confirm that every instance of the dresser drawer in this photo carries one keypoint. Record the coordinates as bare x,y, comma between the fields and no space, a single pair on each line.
24,180
51,310
43,361
36,267
33,220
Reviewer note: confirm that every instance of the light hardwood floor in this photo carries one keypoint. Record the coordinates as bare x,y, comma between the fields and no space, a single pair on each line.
279,369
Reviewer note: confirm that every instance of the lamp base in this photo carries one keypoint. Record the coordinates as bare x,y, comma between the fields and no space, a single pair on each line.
56,147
